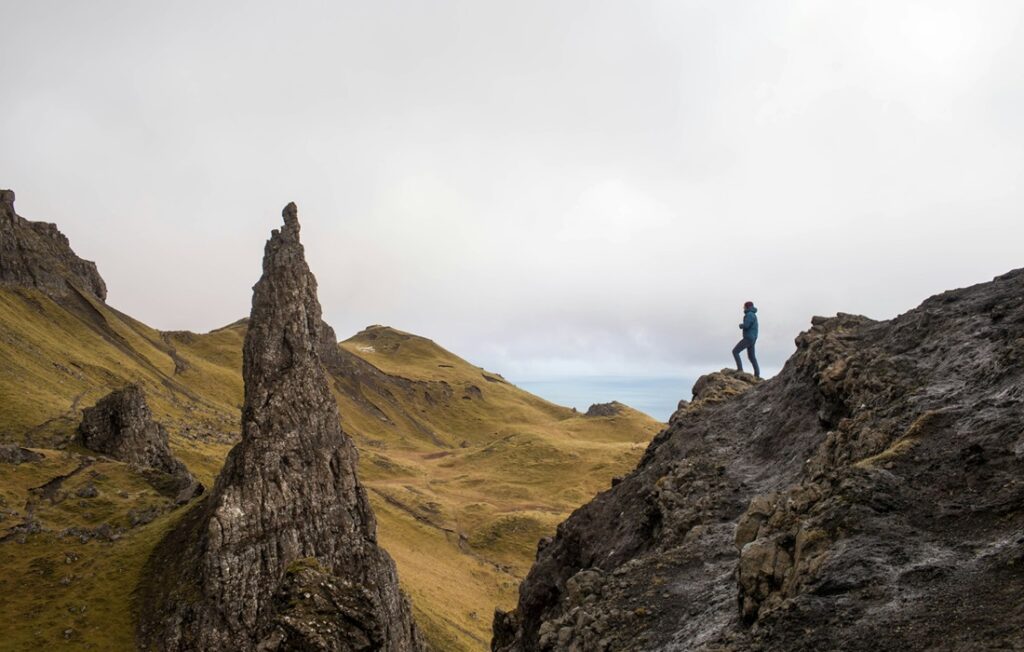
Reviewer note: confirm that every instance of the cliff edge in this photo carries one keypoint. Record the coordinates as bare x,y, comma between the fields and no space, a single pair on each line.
38,255
869,497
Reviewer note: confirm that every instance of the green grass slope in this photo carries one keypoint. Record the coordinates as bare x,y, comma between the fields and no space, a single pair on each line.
466,471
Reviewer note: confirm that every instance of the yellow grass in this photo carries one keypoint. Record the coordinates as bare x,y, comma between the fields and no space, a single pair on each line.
56,590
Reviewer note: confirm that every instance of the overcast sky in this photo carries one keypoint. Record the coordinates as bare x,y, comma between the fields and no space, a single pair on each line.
545,188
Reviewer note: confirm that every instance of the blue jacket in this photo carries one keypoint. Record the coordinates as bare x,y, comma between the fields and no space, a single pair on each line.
749,324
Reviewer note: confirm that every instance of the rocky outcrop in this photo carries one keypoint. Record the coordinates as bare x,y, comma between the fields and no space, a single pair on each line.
283,554
869,497
605,409
37,255
13,454
714,388
121,426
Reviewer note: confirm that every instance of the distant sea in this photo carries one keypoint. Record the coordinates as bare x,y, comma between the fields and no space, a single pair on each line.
658,396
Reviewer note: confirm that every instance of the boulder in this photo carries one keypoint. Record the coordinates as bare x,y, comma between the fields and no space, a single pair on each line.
121,426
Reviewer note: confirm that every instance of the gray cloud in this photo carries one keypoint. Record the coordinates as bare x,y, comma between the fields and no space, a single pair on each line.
545,188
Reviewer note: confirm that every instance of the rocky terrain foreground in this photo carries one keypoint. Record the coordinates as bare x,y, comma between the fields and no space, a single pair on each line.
869,497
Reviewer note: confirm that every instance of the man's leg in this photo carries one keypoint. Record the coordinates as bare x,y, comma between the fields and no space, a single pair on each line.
753,360
736,353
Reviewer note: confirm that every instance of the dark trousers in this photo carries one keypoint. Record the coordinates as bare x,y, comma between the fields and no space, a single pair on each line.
747,344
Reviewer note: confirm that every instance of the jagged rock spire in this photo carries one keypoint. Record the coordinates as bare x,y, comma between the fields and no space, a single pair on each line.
287,521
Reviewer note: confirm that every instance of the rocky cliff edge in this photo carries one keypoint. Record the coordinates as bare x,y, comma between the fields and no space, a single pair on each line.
37,255
869,497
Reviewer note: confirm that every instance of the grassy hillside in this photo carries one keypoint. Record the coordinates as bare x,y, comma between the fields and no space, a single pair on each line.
466,472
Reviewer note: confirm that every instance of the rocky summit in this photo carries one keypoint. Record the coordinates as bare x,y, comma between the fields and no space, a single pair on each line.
37,255
869,497
283,553
121,426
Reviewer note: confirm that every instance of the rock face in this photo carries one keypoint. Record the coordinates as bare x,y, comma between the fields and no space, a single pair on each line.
283,554
121,426
37,255
869,497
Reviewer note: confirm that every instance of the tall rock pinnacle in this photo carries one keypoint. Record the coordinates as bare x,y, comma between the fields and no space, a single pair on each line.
283,555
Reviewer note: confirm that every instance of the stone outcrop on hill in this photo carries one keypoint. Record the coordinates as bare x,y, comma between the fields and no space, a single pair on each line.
869,497
283,554
121,426
37,255
604,409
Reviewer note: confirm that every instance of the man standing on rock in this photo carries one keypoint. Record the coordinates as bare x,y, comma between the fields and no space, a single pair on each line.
749,328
